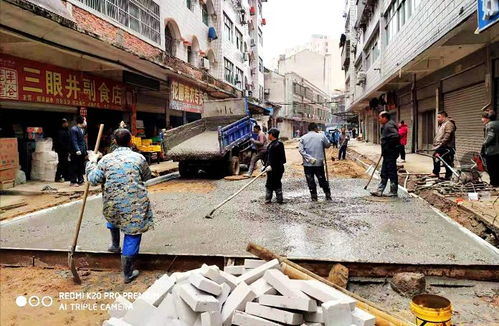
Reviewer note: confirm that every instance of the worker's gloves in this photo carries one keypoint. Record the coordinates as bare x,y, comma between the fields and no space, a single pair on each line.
94,157
78,153
312,160
267,169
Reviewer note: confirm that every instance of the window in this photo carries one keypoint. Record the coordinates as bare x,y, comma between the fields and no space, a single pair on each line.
189,4
260,36
204,13
229,71
239,81
169,41
260,8
141,16
261,93
190,55
228,28
239,40
372,51
397,15
260,64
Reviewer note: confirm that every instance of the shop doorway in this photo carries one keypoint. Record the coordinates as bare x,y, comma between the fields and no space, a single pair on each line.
428,124
153,123
111,120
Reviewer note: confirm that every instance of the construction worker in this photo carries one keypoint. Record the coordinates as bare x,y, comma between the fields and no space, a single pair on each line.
390,149
311,148
260,148
444,145
126,206
276,158
490,146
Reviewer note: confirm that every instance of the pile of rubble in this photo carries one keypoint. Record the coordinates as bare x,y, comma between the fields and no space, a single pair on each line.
454,187
254,294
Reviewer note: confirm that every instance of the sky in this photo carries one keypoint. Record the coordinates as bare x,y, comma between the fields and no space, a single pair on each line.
292,22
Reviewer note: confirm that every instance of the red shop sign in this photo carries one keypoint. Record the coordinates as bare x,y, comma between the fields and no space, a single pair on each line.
30,81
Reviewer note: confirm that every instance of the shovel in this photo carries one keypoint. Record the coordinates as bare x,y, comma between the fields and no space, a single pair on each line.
71,262
234,195
372,174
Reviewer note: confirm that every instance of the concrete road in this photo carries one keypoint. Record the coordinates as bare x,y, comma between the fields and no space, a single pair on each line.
353,227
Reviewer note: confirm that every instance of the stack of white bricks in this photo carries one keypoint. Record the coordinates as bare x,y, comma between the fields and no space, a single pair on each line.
254,294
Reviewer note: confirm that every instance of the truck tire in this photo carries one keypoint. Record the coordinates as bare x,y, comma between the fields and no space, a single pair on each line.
185,170
233,166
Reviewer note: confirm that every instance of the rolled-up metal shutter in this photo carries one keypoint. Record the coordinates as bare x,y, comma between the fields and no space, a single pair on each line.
406,116
464,106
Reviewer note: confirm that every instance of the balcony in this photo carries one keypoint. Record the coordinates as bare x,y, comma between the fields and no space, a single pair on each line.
365,9
345,55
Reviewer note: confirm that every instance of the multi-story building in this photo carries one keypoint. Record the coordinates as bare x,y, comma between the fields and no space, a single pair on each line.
149,63
318,43
300,101
416,57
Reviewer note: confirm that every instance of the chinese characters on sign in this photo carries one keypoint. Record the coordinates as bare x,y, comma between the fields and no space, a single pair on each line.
30,81
186,98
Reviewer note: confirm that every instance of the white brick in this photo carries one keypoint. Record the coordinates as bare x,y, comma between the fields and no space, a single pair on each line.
243,319
292,303
282,316
211,318
261,287
254,274
184,312
113,321
315,317
120,307
204,284
235,270
157,318
253,263
197,300
324,293
337,313
212,273
236,301
281,283
167,306
183,277
362,318
224,295
156,292
230,279
141,311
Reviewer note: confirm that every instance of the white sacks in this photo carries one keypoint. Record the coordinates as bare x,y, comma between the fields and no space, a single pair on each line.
44,161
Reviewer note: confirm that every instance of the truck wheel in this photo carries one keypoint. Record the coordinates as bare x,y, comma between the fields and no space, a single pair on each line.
233,168
185,170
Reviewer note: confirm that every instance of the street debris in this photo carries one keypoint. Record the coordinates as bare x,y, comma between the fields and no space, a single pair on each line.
261,295
408,284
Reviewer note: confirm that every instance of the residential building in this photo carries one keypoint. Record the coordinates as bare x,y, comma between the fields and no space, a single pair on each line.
300,101
415,58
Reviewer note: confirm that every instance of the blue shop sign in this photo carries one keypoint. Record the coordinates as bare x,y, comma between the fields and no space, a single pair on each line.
488,14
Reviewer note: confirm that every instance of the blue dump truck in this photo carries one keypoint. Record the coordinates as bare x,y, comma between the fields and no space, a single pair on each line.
216,144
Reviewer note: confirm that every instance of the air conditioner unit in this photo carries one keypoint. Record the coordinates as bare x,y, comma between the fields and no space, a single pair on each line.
205,64
253,42
266,91
246,56
361,77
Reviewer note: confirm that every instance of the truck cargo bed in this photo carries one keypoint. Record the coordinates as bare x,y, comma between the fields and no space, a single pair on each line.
202,146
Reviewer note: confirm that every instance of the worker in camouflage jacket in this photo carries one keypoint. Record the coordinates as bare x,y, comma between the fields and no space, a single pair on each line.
390,149
126,206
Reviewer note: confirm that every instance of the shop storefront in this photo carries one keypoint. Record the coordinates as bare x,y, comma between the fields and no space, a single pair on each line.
185,105
38,95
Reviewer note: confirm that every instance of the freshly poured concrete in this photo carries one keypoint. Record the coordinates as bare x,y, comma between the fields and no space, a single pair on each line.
353,227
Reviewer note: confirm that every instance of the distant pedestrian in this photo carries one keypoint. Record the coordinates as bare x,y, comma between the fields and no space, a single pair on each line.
126,205
444,145
390,143
62,147
311,148
335,138
403,130
78,151
259,150
343,143
276,158
354,133
490,147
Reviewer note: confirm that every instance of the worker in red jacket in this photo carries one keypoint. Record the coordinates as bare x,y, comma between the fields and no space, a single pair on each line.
403,129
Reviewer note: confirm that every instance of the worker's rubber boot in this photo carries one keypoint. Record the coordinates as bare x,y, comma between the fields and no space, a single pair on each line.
268,196
279,196
313,195
394,187
115,241
328,194
381,188
129,274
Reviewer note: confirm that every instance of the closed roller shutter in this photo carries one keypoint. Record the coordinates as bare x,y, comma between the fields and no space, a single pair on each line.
464,106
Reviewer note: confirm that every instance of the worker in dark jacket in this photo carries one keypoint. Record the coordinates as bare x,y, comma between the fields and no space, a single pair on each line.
62,147
78,151
490,148
390,149
444,145
276,158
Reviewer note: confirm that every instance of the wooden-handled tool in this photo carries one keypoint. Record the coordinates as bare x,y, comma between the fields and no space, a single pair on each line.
374,171
71,262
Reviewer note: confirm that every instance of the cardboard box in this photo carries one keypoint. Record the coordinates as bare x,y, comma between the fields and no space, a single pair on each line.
9,155
8,174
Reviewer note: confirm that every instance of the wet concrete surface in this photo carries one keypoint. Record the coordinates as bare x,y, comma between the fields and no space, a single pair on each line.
353,227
